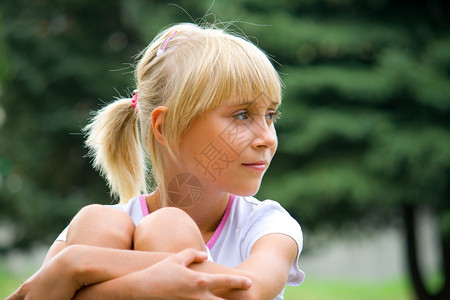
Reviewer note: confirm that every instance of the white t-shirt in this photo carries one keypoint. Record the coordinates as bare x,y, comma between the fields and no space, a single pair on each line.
246,219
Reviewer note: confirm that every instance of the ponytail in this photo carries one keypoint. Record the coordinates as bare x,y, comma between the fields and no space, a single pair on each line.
113,142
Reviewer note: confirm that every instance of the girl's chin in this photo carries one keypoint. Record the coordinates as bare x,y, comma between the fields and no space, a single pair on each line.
246,187
246,191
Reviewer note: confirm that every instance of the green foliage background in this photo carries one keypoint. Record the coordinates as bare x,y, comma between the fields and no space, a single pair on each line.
365,126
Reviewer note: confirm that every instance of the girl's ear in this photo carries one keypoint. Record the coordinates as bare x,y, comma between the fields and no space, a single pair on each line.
158,116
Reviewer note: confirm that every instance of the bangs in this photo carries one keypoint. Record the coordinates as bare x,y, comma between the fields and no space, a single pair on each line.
242,75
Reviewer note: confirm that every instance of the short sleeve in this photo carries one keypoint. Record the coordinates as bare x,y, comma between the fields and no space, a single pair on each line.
63,235
270,218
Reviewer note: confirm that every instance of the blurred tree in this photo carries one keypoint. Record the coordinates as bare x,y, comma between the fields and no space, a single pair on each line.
58,57
364,138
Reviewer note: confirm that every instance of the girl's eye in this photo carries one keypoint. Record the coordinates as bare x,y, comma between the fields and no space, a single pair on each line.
273,116
241,116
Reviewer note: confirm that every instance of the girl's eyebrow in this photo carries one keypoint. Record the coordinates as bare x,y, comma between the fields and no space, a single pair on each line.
234,105
248,103
239,104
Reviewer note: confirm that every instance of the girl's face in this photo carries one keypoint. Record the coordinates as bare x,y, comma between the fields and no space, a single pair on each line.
229,148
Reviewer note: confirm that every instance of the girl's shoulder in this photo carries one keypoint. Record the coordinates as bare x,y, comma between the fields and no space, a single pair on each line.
253,205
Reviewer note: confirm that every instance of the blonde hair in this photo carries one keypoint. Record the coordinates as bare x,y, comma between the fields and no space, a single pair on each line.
200,69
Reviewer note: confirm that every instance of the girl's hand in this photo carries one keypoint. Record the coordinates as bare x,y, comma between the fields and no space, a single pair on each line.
54,280
168,279
179,282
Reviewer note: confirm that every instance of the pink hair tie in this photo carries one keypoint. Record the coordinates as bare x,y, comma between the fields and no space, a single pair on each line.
166,41
134,100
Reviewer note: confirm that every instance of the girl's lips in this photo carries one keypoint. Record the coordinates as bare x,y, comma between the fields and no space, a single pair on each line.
259,165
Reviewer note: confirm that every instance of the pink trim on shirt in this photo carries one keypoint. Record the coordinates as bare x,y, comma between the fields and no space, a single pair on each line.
212,241
144,206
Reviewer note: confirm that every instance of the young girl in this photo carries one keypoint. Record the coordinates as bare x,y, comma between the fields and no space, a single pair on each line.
205,108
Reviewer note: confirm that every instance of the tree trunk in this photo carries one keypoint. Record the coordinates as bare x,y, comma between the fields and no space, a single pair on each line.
445,291
409,218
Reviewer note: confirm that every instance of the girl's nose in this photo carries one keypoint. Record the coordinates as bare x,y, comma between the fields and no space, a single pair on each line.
265,134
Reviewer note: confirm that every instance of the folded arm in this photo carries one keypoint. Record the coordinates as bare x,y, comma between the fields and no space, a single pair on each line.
86,272
66,270
267,267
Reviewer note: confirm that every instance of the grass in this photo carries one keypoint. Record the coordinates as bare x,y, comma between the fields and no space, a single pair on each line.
311,289
319,289
8,282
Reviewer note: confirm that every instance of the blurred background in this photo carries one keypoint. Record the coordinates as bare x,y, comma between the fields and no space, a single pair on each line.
364,156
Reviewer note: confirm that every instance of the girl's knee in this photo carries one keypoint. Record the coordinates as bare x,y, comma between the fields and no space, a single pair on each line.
103,226
168,229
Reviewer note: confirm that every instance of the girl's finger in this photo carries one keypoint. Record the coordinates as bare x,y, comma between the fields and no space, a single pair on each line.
214,298
224,281
189,256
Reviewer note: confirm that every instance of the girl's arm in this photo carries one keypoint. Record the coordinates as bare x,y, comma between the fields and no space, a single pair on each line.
77,266
65,271
267,267
168,279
